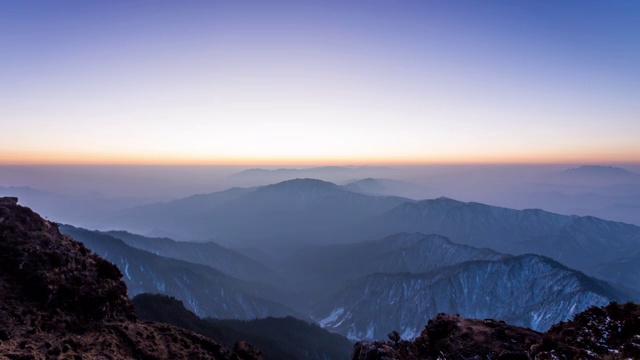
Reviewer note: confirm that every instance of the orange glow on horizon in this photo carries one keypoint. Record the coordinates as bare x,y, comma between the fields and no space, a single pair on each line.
112,159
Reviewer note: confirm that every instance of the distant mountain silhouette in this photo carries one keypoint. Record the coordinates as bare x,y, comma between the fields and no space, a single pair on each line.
622,207
599,171
259,177
388,187
300,211
579,242
596,175
152,218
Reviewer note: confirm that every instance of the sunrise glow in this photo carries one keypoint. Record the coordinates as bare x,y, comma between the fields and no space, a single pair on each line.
319,83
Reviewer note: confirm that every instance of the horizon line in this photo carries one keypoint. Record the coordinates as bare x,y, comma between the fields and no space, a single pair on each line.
321,163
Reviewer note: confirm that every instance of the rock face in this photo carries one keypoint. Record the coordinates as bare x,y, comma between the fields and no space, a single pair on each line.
611,332
41,266
57,298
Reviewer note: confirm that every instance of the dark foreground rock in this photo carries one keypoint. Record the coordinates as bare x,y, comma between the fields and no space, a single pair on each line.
278,338
59,300
610,332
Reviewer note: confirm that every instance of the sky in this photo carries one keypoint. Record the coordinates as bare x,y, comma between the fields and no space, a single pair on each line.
319,82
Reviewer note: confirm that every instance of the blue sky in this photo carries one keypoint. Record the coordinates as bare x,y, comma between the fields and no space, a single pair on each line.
319,81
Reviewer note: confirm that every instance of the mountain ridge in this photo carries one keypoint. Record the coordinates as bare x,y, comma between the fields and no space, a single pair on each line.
208,253
277,338
599,171
206,291
525,290
583,240
281,213
329,267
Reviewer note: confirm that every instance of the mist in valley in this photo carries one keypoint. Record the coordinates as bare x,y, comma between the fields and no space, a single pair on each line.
87,195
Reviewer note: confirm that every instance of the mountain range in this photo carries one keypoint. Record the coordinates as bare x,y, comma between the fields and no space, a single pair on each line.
576,241
527,290
73,294
302,211
433,250
306,211
207,253
367,289
331,282
339,174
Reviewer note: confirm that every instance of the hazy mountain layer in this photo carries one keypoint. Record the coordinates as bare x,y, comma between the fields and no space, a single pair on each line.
205,291
339,174
209,253
619,207
302,211
579,242
307,211
528,290
623,271
599,172
322,270
84,210
389,187
159,217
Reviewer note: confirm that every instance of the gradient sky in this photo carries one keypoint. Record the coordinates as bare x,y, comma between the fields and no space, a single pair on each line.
319,81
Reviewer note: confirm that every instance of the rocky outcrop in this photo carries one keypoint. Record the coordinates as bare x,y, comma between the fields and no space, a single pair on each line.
58,299
454,337
611,332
